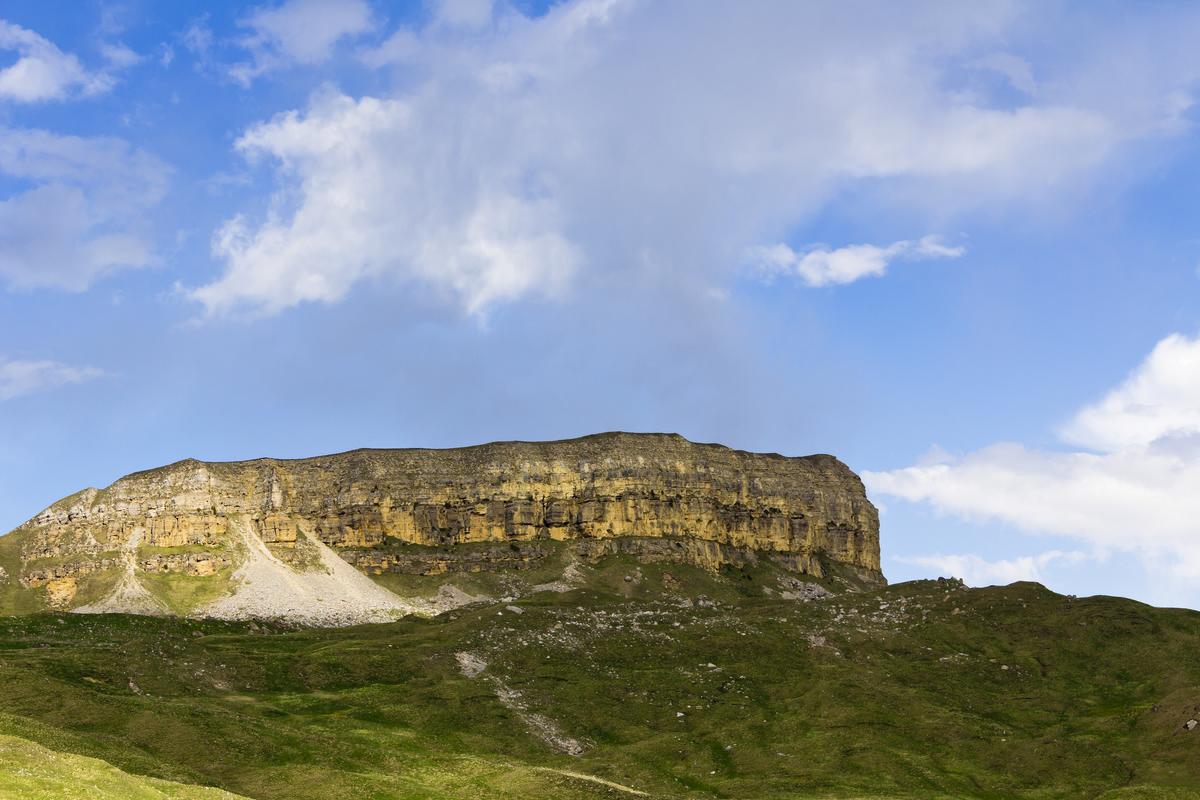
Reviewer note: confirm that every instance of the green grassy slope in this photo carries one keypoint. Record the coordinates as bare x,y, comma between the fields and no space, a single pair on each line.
919,690
29,771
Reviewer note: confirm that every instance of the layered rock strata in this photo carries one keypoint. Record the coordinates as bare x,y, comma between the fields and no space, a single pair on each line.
490,507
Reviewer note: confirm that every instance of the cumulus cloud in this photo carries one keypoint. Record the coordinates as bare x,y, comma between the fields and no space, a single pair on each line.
1137,496
819,266
362,216
42,71
1160,399
82,215
297,32
119,55
603,136
976,570
464,13
197,37
18,378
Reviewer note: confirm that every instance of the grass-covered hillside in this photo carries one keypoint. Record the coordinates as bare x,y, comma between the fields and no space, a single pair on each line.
670,684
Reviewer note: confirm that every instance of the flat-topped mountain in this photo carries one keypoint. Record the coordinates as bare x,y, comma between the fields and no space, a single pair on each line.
375,534
635,616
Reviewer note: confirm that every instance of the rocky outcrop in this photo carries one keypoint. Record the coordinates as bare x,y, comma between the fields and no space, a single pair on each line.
491,507
195,564
33,577
502,556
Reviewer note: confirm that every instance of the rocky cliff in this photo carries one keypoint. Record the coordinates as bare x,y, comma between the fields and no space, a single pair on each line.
209,530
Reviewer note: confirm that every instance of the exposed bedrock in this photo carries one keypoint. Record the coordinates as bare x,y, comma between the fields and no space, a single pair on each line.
655,496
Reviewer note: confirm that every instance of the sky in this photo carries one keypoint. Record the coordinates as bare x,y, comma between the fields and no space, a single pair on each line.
954,244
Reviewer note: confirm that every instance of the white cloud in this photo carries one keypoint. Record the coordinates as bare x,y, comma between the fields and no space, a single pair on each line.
298,32
197,37
119,56
42,71
608,130
463,13
18,378
1160,399
978,571
1138,497
361,216
83,215
819,266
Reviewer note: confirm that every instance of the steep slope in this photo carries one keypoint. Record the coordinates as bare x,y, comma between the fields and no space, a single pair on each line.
332,593
273,538
29,771
711,688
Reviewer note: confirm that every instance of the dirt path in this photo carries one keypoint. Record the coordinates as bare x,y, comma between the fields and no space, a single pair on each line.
593,779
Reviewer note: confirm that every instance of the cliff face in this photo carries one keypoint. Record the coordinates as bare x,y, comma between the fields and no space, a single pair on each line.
494,506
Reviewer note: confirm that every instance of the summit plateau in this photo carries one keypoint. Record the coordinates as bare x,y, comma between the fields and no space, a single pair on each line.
371,535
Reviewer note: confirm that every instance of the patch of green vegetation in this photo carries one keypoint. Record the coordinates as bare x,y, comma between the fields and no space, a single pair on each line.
647,580
1149,793
920,690
184,594
148,550
493,583
18,599
32,772
840,576
303,555
94,586
69,560
15,598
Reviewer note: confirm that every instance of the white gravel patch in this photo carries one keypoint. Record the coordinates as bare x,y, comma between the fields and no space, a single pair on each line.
470,664
448,598
541,726
335,594
572,578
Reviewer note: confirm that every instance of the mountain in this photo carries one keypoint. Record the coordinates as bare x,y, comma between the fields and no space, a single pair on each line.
617,616
678,684
374,535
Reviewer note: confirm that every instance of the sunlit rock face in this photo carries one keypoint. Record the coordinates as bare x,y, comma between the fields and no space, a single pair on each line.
491,507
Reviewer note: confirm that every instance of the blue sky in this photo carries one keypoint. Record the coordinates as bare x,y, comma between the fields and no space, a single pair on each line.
953,244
